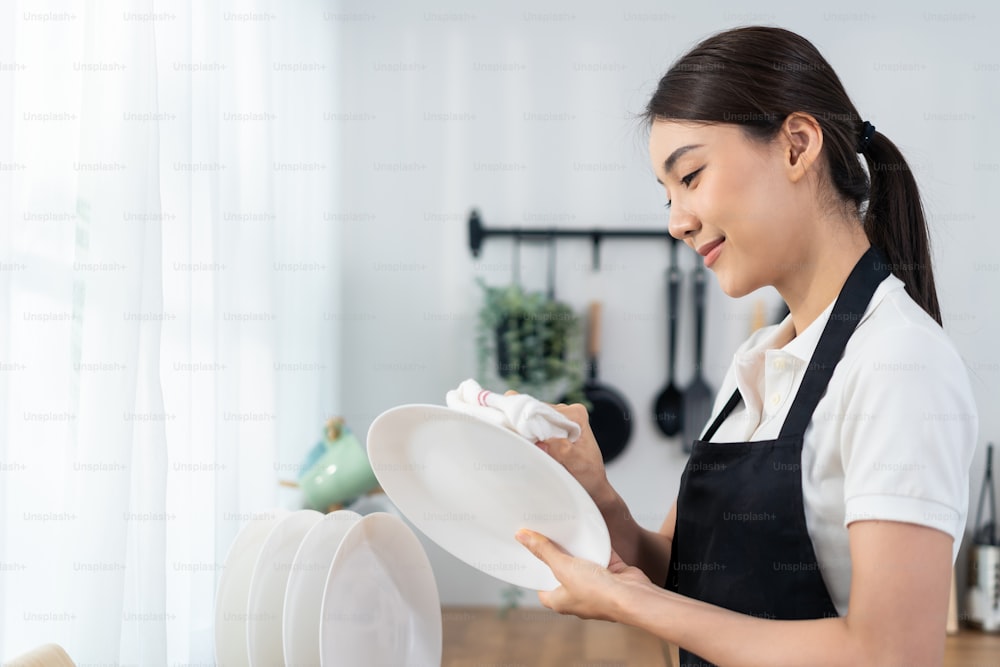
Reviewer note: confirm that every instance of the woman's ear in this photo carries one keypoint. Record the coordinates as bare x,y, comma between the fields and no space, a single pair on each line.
803,143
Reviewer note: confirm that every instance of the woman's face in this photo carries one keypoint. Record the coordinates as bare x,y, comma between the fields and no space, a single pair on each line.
731,200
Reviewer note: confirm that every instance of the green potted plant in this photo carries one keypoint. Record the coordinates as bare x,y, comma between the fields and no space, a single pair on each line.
530,343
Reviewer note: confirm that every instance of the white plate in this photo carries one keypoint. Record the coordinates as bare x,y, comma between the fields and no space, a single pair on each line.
267,587
471,485
231,610
306,583
380,604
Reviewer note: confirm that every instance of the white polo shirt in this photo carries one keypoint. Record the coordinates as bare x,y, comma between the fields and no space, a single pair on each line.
892,438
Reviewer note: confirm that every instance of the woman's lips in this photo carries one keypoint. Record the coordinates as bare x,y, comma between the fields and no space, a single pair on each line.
711,251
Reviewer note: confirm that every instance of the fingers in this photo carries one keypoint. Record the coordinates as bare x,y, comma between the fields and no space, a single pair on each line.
576,460
551,599
616,564
576,412
551,554
532,541
556,447
570,409
542,547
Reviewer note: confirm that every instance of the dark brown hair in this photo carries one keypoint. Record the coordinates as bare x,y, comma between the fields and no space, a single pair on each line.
755,77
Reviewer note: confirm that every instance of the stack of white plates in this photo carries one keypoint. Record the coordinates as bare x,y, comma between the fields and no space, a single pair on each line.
300,588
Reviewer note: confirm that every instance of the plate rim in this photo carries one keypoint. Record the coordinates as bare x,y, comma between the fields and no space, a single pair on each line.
271,516
326,520
299,514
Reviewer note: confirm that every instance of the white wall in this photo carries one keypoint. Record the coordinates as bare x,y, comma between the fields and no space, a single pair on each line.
450,105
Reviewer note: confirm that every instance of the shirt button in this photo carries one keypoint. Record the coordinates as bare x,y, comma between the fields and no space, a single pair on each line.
779,365
776,400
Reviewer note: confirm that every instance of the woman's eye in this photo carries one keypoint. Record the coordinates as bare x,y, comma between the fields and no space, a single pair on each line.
690,177
667,204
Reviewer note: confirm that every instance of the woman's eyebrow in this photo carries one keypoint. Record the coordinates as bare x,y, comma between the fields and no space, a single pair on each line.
671,161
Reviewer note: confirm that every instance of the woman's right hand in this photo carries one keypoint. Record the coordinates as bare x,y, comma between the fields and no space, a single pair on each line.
582,458
647,550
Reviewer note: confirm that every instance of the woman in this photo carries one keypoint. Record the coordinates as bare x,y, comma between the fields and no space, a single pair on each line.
820,513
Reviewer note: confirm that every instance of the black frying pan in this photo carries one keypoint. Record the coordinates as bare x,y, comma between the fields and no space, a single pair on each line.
610,415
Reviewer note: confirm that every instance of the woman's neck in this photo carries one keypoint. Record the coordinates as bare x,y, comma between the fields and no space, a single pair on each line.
830,261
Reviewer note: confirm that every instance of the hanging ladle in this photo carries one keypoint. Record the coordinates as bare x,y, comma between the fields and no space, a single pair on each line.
669,406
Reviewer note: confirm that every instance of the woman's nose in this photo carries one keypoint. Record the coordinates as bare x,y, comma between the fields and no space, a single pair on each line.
682,223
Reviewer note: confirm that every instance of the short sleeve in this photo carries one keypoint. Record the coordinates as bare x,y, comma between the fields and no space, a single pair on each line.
910,428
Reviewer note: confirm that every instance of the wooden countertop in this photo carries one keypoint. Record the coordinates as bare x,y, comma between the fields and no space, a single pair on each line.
476,636
970,648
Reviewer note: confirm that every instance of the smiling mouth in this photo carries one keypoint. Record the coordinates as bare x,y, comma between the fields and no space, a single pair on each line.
711,251
709,247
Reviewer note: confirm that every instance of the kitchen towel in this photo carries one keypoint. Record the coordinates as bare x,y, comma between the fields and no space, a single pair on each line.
521,413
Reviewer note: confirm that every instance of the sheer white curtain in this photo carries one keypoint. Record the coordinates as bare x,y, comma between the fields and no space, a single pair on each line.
170,305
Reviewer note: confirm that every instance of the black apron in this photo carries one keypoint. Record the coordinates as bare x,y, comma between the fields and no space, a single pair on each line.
740,540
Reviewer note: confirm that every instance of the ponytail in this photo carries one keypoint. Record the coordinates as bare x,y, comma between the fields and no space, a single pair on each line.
894,222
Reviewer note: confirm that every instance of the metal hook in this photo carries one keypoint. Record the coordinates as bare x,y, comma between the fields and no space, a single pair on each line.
595,238
551,278
515,261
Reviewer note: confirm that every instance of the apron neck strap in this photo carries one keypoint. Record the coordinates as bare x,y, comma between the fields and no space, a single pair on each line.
854,298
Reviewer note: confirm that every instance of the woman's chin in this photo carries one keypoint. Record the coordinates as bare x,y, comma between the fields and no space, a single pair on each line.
734,287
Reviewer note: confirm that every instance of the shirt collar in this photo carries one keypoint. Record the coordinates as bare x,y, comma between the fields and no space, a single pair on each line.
803,345
776,342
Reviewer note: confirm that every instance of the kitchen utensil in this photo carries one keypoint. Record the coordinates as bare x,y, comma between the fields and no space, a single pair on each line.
232,596
515,261
550,271
470,485
698,397
668,409
610,415
266,598
986,533
380,602
983,596
951,625
759,318
339,472
783,312
306,582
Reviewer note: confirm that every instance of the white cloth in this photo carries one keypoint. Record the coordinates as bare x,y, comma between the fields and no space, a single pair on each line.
893,437
521,413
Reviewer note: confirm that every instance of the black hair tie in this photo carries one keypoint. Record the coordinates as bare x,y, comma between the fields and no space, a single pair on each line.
867,132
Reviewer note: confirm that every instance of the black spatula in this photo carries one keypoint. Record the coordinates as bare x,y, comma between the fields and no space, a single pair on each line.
698,397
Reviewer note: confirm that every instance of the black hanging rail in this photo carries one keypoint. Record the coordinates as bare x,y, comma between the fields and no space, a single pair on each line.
478,234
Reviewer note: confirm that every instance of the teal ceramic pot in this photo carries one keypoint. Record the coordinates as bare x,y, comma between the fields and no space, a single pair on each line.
338,470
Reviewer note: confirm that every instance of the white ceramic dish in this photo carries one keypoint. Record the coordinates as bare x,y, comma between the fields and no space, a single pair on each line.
267,587
471,485
380,604
306,583
233,594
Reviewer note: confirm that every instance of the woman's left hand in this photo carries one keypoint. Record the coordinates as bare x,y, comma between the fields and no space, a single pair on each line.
588,590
